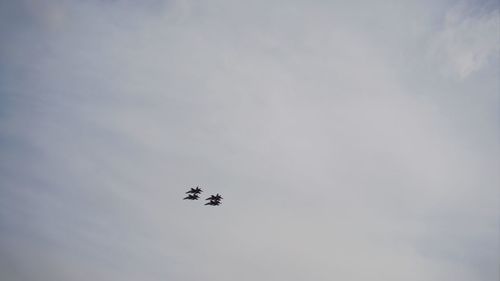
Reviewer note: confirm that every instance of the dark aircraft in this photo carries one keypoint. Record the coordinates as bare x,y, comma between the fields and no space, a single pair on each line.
195,191
214,200
213,203
192,197
214,197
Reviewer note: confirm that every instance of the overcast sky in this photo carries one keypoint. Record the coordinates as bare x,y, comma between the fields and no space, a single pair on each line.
351,140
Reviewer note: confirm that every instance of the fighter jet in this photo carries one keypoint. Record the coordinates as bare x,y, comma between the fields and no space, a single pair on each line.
195,191
215,197
192,197
213,203
214,200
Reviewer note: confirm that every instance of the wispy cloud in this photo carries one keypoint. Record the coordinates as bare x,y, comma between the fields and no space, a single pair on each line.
469,39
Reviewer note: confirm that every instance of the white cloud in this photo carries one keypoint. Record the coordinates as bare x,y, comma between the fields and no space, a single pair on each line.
469,40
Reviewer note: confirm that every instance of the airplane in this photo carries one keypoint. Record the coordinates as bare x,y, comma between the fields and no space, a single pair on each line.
214,200
196,190
215,197
213,203
192,197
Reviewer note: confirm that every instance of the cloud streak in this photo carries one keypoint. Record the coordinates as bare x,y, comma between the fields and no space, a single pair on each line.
469,39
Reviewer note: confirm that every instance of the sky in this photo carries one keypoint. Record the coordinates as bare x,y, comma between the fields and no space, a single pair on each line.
351,140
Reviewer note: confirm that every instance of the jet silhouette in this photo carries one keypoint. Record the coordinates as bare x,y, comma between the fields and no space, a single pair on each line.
213,203
214,200
195,191
215,197
192,197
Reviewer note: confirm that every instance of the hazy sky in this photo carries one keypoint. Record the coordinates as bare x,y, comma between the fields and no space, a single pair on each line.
351,140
